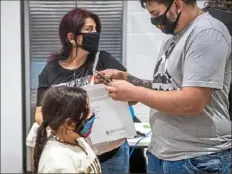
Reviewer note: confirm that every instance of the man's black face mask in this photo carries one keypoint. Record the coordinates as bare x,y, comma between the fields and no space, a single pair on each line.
164,24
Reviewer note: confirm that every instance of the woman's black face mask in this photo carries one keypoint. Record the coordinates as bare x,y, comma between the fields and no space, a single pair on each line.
164,24
90,42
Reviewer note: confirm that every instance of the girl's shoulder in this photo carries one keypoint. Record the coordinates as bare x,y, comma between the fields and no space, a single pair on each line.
56,158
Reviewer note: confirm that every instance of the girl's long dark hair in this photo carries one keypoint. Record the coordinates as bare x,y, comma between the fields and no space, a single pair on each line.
72,22
60,104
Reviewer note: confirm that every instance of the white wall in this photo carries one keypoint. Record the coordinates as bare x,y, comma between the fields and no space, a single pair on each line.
11,99
143,43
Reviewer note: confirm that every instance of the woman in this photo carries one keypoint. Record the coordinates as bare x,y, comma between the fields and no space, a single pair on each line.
66,111
79,33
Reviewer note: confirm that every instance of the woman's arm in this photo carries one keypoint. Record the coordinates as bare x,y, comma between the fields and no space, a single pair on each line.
42,87
38,115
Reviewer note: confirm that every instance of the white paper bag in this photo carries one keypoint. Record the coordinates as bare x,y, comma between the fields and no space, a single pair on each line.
113,119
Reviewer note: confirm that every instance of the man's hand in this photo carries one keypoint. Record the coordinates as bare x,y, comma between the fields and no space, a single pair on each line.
110,74
121,90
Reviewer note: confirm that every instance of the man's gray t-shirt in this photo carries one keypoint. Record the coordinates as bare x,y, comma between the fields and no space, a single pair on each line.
199,56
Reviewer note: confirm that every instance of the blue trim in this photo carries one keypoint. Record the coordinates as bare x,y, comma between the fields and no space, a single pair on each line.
132,112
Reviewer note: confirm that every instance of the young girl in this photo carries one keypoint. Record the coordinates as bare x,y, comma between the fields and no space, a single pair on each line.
66,111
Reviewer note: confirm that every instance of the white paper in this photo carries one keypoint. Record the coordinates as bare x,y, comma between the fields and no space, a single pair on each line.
113,119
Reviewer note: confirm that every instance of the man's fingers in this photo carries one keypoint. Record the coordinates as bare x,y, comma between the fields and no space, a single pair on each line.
110,89
112,95
114,83
109,73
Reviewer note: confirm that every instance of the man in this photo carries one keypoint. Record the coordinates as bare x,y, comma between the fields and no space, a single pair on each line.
222,10
191,129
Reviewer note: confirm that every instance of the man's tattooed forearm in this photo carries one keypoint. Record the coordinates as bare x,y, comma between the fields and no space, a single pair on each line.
139,82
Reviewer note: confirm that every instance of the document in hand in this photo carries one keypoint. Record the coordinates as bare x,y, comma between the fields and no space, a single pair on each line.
113,119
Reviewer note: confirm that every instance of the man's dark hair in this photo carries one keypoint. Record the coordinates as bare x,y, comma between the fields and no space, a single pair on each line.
166,2
223,4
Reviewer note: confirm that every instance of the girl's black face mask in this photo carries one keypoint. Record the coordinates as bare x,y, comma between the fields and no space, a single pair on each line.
90,42
164,24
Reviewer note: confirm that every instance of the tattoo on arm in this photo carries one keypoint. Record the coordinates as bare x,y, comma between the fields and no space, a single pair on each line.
139,82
